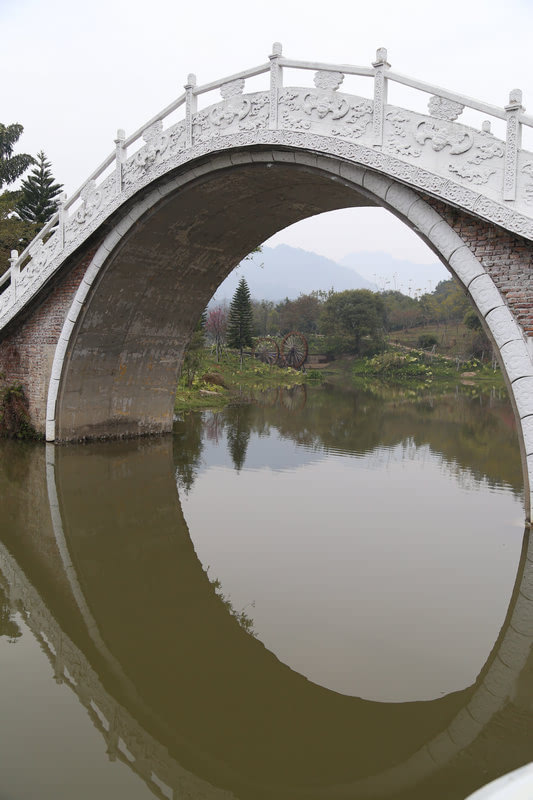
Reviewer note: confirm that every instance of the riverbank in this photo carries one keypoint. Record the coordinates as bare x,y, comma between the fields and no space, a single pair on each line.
217,384
409,366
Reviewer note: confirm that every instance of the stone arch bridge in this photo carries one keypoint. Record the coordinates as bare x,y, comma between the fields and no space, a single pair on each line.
96,313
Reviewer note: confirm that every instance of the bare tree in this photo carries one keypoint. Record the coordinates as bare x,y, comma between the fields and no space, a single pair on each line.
216,327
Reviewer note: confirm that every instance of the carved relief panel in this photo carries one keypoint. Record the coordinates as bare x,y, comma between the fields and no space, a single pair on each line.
235,113
324,111
447,148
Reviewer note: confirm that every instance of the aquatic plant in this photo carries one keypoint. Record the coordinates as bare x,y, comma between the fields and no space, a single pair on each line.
15,420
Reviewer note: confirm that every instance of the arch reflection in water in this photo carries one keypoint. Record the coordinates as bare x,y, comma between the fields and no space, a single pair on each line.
377,536
182,693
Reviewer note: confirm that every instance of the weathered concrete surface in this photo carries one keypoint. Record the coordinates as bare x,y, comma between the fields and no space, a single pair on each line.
120,376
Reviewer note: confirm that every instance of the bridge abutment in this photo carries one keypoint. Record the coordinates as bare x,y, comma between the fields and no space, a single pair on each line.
28,346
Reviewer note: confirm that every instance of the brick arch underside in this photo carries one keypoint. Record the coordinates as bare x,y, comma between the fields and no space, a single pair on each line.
116,365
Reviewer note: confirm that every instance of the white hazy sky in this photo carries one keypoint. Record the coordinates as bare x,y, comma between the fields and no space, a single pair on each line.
73,72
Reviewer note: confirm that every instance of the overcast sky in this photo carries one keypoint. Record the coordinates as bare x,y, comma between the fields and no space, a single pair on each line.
73,72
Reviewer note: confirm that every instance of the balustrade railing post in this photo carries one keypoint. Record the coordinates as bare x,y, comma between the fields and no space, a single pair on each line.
191,102
276,83
14,272
59,664
112,739
60,202
381,65
120,157
513,142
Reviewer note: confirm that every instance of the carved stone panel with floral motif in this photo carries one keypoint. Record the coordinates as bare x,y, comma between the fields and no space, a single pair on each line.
435,153
448,149
236,112
325,110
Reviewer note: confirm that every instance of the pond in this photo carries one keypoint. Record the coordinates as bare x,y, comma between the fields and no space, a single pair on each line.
322,593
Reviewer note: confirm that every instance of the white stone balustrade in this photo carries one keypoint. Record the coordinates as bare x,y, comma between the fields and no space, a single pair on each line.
469,168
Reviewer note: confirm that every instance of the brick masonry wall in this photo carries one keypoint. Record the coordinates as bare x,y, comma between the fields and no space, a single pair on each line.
27,352
506,257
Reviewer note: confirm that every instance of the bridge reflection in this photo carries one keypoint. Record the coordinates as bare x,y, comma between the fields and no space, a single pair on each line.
182,693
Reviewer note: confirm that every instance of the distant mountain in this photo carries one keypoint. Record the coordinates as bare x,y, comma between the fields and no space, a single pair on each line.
283,271
388,272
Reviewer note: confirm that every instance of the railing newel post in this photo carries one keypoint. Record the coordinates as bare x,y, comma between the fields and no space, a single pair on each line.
59,663
61,211
112,738
381,65
120,157
276,83
14,271
513,142
191,103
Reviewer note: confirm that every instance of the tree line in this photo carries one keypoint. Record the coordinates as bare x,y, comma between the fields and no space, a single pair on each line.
23,212
355,321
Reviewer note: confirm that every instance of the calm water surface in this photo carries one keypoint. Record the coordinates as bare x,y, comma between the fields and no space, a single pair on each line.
324,594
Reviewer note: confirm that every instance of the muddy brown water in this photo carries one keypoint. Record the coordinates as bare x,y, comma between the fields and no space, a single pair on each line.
325,593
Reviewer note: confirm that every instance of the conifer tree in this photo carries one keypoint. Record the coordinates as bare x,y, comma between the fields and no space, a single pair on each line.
38,193
11,166
240,319
15,233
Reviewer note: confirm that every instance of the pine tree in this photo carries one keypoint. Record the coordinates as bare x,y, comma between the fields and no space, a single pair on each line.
11,166
38,193
240,319
15,233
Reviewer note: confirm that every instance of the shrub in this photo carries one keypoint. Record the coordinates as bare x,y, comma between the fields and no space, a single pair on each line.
427,340
395,365
14,413
314,375
214,379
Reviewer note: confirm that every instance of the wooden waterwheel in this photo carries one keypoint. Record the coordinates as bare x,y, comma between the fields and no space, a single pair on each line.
294,350
266,350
